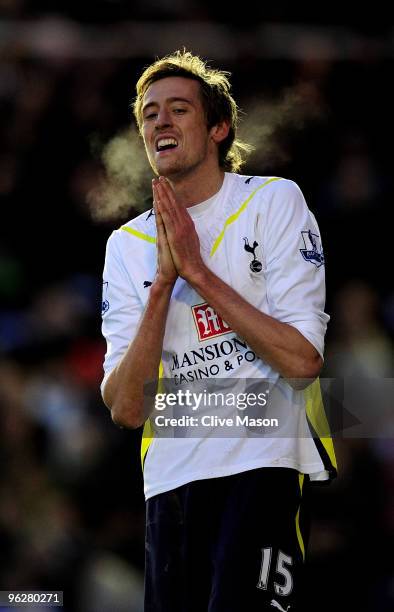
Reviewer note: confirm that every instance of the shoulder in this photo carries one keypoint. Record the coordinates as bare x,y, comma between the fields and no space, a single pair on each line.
277,202
143,223
266,194
265,187
275,187
136,233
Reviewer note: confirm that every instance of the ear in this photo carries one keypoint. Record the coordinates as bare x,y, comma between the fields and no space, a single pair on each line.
220,131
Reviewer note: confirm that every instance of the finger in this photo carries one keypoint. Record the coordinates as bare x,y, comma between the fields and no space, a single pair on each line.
160,229
154,194
178,212
162,242
159,223
168,189
154,183
155,198
157,204
167,196
164,208
158,217
159,196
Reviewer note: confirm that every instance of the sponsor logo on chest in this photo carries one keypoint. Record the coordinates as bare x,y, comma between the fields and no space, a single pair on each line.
208,323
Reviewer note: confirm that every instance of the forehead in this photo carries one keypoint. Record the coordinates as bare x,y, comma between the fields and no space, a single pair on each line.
173,87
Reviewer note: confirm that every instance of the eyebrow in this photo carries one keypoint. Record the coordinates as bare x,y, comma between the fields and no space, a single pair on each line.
173,99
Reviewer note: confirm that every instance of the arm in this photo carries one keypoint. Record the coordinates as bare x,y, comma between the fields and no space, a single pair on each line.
280,344
123,390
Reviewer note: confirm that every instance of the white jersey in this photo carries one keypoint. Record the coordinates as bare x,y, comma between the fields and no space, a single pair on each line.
258,235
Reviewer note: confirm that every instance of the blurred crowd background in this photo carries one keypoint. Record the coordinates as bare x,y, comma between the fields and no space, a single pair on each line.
71,501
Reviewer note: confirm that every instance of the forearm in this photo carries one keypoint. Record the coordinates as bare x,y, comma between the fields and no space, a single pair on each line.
282,346
124,389
279,344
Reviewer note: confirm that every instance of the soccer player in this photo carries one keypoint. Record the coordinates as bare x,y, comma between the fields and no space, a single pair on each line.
223,279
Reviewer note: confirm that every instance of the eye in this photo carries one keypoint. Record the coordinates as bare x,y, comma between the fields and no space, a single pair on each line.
179,111
150,116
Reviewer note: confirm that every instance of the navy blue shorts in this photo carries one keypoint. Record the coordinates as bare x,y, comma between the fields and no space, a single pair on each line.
231,544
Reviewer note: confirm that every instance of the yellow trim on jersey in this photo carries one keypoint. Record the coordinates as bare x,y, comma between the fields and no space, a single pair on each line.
148,433
301,478
139,234
235,216
317,417
147,437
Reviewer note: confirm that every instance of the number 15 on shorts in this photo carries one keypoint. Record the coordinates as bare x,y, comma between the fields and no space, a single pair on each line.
283,561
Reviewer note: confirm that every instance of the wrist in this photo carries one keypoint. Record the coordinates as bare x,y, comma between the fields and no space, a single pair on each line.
198,277
162,286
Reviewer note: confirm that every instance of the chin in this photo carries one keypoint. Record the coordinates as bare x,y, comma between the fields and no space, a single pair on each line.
168,170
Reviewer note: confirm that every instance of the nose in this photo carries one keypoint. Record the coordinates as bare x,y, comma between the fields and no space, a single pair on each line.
163,119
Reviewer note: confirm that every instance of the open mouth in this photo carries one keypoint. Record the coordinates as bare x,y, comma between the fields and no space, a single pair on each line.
165,144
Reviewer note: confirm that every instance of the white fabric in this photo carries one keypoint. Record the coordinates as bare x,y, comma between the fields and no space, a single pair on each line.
288,287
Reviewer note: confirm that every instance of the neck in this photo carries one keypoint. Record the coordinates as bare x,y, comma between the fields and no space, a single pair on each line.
193,189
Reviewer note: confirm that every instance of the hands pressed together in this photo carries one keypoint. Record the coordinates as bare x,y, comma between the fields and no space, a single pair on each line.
178,254
178,245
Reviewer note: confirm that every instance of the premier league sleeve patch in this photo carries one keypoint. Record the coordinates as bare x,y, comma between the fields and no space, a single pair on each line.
105,302
313,251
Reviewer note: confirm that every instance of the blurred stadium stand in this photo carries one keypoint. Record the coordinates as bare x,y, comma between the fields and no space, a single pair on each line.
71,503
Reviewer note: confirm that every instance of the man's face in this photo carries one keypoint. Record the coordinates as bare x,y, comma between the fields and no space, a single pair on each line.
174,127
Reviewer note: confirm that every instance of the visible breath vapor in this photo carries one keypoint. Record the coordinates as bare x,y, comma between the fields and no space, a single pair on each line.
268,122
126,184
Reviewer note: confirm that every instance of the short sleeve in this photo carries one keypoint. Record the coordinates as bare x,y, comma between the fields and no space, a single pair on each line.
121,307
295,264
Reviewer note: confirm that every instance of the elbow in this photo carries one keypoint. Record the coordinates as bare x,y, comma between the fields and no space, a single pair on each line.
128,416
307,371
124,412
312,367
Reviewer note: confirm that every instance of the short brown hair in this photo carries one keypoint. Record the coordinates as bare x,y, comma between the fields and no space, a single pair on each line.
218,102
